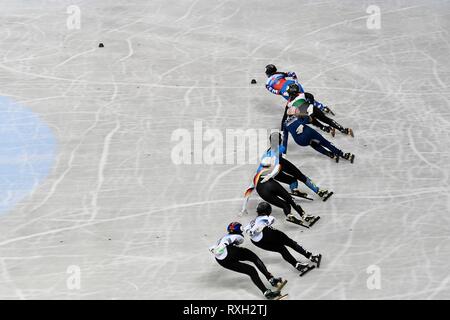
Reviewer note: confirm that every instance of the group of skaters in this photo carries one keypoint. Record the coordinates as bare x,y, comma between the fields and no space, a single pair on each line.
301,110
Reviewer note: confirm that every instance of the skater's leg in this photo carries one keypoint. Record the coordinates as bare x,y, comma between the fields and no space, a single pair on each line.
312,185
285,240
319,143
319,115
320,125
282,193
271,242
287,256
248,255
289,168
315,144
245,269
285,178
327,144
269,190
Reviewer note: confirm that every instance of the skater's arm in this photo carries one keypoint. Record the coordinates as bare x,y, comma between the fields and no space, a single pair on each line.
316,123
282,150
271,88
292,74
284,117
270,220
285,138
247,195
249,229
260,223
218,249
244,205
292,111
274,172
236,239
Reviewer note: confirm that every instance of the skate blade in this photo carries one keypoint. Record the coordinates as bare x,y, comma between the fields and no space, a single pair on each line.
320,260
308,269
351,133
281,286
310,224
298,223
299,196
329,194
282,297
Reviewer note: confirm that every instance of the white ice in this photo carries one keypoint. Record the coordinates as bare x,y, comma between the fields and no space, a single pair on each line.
138,226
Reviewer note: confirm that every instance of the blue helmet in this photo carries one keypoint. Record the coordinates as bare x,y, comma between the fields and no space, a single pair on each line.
234,228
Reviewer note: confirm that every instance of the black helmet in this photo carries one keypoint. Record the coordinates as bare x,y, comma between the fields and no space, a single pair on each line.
293,90
263,208
270,69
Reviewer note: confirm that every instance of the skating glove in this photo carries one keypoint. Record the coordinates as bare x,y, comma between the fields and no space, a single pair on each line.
292,75
242,212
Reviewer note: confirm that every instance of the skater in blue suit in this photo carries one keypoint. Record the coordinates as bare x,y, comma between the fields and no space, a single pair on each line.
296,123
278,82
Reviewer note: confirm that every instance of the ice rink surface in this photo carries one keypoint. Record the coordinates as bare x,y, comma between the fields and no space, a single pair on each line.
139,226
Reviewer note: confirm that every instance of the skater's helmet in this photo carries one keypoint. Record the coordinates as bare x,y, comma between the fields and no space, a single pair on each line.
234,228
263,209
293,90
270,70
275,139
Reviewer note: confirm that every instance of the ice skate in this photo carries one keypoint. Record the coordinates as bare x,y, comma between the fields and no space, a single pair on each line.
292,218
324,194
349,156
279,283
348,131
269,294
316,259
333,156
333,132
300,194
308,218
329,129
300,266
303,267
326,109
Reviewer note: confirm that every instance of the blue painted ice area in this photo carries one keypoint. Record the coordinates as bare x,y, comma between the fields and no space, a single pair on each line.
27,152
